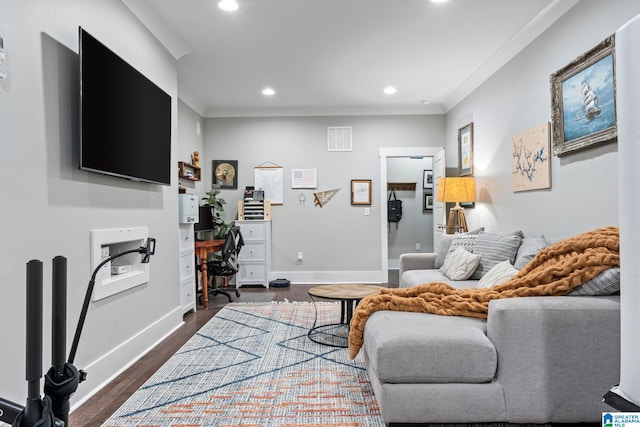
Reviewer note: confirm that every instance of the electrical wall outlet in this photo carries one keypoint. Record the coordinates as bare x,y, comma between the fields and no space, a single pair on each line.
417,246
300,256
104,251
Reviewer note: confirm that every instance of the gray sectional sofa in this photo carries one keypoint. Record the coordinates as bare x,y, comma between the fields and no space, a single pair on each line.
533,360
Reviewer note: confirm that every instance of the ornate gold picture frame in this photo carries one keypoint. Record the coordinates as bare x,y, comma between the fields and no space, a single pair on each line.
583,100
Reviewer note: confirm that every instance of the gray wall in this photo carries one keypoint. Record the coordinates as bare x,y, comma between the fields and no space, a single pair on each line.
339,242
584,193
190,139
49,206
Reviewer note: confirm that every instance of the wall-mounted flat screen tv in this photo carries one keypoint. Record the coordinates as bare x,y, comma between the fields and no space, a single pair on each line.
125,123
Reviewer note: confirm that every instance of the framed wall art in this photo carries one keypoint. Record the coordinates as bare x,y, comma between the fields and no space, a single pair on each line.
268,177
428,202
583,100
361,192
531,163
465,150
225,174
304,178
427,179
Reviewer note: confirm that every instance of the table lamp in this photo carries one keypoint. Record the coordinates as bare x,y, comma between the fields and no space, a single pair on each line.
456,190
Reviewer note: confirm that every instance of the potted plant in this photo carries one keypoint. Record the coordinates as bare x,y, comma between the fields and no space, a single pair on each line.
216,203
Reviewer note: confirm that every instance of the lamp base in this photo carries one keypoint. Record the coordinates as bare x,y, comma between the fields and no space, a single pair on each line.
457,222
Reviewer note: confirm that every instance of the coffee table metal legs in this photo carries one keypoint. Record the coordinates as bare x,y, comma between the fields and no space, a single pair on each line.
333,334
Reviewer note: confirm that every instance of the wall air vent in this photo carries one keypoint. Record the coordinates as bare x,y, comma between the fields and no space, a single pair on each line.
339,138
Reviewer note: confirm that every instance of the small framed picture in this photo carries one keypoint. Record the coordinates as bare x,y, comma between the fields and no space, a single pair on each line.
465,150
428,202
225,174
427,179
361,192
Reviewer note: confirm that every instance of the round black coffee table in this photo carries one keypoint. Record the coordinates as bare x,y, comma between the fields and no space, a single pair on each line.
349,295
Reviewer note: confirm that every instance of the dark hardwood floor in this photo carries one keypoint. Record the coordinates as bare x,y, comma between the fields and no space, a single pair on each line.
99,407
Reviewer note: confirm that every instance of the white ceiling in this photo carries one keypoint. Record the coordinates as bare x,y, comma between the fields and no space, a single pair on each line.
332,57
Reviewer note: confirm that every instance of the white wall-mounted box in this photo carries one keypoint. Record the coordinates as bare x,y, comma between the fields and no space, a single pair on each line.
188,208
118,240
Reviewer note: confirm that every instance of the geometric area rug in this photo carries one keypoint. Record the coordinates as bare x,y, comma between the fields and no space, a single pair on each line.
253,365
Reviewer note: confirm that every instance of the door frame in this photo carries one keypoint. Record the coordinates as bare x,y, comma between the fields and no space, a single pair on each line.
385,153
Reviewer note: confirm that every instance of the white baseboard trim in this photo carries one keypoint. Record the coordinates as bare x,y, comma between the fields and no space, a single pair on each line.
329,277
106,368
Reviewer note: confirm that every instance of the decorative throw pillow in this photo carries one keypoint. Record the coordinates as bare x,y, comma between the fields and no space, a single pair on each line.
443,249
530,246
445,245
495,247
460,264
605,283
466,241
499,273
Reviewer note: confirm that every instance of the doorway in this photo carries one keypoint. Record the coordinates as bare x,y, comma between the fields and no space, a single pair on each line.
438,211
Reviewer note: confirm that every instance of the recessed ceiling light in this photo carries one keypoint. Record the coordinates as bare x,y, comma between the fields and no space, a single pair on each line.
390,90
268,91
425,101
228,5
439,1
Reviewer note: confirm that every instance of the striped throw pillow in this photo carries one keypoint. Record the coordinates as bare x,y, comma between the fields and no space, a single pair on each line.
493,248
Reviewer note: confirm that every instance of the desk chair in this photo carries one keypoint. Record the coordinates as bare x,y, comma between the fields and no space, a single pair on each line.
228,265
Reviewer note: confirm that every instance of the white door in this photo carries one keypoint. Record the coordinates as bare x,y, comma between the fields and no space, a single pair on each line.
439,209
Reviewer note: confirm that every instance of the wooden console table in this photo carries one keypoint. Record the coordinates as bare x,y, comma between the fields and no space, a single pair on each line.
203,249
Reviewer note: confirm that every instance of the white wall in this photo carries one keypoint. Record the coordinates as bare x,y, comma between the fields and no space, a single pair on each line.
49,206
339,242
627,69
584,193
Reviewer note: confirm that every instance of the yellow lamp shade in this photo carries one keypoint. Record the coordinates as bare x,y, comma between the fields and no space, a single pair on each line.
456,189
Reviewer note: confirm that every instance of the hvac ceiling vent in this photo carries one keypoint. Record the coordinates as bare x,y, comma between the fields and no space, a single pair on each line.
339,138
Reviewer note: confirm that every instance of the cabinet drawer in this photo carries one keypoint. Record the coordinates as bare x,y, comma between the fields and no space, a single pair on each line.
187,293
253,231
186,238
252,272
252,251
187,268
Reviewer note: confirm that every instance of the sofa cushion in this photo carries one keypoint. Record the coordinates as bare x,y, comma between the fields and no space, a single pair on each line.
445,244
529,247
499,273
495,247
429,348
605,283
418,277
460,265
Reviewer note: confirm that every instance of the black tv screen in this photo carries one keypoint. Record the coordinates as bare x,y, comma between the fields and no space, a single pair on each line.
125,123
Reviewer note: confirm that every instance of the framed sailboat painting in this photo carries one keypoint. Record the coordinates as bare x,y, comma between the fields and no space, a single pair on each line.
583,100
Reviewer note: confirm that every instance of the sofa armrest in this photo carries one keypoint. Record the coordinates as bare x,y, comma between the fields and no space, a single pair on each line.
557,356
416,261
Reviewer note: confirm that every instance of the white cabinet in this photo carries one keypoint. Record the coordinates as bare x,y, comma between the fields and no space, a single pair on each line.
187,269
188,211
255,255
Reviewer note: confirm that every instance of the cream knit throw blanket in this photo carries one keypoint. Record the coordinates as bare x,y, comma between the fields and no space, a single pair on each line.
555,270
